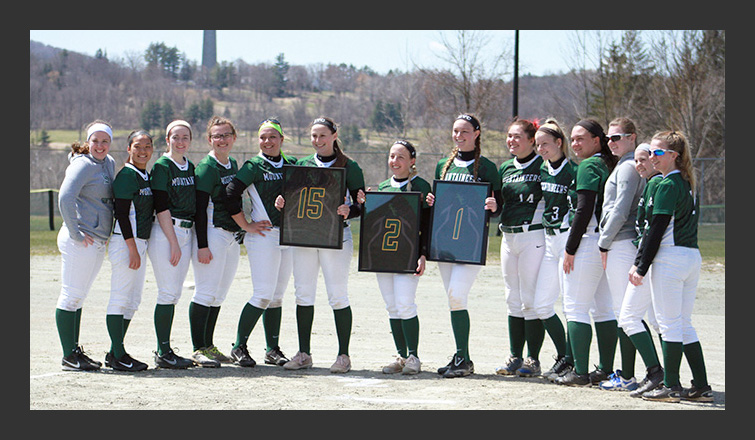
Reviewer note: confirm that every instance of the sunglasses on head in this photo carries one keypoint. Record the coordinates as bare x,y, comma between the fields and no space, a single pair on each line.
617,137
661,152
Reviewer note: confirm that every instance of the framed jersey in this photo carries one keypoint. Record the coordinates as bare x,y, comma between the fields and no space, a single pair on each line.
459,222
312,196
389,232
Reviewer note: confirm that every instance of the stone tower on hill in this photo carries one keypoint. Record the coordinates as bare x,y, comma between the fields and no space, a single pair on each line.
209,50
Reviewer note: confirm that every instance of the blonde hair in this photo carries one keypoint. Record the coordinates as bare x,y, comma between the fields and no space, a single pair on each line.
676,141
627,126
553,128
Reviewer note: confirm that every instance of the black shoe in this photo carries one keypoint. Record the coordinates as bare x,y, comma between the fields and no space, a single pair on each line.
240,356
664,394
77,361
695,394
442,370
459,367
572,379
597,376
81,351
124,363
653,379
275,356
172,360
560,369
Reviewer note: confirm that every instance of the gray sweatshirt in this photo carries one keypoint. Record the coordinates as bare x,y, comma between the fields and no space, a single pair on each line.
86,197
620,198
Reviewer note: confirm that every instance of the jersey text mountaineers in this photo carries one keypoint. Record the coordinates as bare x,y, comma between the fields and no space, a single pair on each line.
178,182
264,181
520,188
133,184
212,177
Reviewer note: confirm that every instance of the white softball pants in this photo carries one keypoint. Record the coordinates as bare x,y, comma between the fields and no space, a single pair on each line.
80,265
271,266
674,277
620,259
550,278
126,284
213,280
586,287
335,265
169,278
636,305
399,291
458,280
521,256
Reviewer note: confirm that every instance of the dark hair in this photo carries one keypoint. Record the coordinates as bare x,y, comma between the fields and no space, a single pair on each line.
596,130
136,133
477,146
341,159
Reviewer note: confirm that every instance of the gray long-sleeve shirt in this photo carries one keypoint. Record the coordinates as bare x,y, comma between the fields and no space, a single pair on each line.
86,197
620,198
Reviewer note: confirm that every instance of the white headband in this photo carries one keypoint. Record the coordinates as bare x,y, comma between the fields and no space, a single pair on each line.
643,147
100,127
176,123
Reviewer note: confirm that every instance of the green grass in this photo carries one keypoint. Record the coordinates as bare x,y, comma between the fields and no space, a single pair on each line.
711,239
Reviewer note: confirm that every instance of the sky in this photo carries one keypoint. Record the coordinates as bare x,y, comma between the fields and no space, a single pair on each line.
541,52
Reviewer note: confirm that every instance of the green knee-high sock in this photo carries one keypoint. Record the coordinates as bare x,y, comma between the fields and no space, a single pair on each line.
534,333
568,356
305,315
198,315
212,320
411,333
628,355
460,325
271,321
607,335
343,320
77,327
672,359
556,331
399,340
126,323
516,336
248,319
115,329
66,323
163,325
694,354
644,345
580,337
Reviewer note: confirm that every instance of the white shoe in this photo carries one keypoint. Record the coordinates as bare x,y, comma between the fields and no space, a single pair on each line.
395,367
412,365
341,365
201,359
299,361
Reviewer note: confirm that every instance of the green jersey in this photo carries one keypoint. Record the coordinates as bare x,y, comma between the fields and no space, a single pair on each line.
354,174
264,181
592,174
673,196
133,184
416,183
212,177
559,193
178,182
642,223
461,170
522,195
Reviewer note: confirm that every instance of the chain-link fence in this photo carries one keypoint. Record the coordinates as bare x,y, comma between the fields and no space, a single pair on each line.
47,169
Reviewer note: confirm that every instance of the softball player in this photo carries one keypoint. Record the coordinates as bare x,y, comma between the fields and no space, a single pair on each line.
669,247
86,205
216,250
127,250
270,263
637,299
399,290
335,263
621,196
522,247
465,163
585,286
557,181
170,245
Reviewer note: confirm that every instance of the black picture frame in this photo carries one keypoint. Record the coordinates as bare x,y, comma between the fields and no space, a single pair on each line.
459,222
389,232
312,196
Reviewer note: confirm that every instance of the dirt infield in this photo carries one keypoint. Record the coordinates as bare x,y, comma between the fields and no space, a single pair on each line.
364,388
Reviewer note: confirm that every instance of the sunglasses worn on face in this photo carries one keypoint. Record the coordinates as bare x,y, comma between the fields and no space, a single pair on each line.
617,137
661,152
